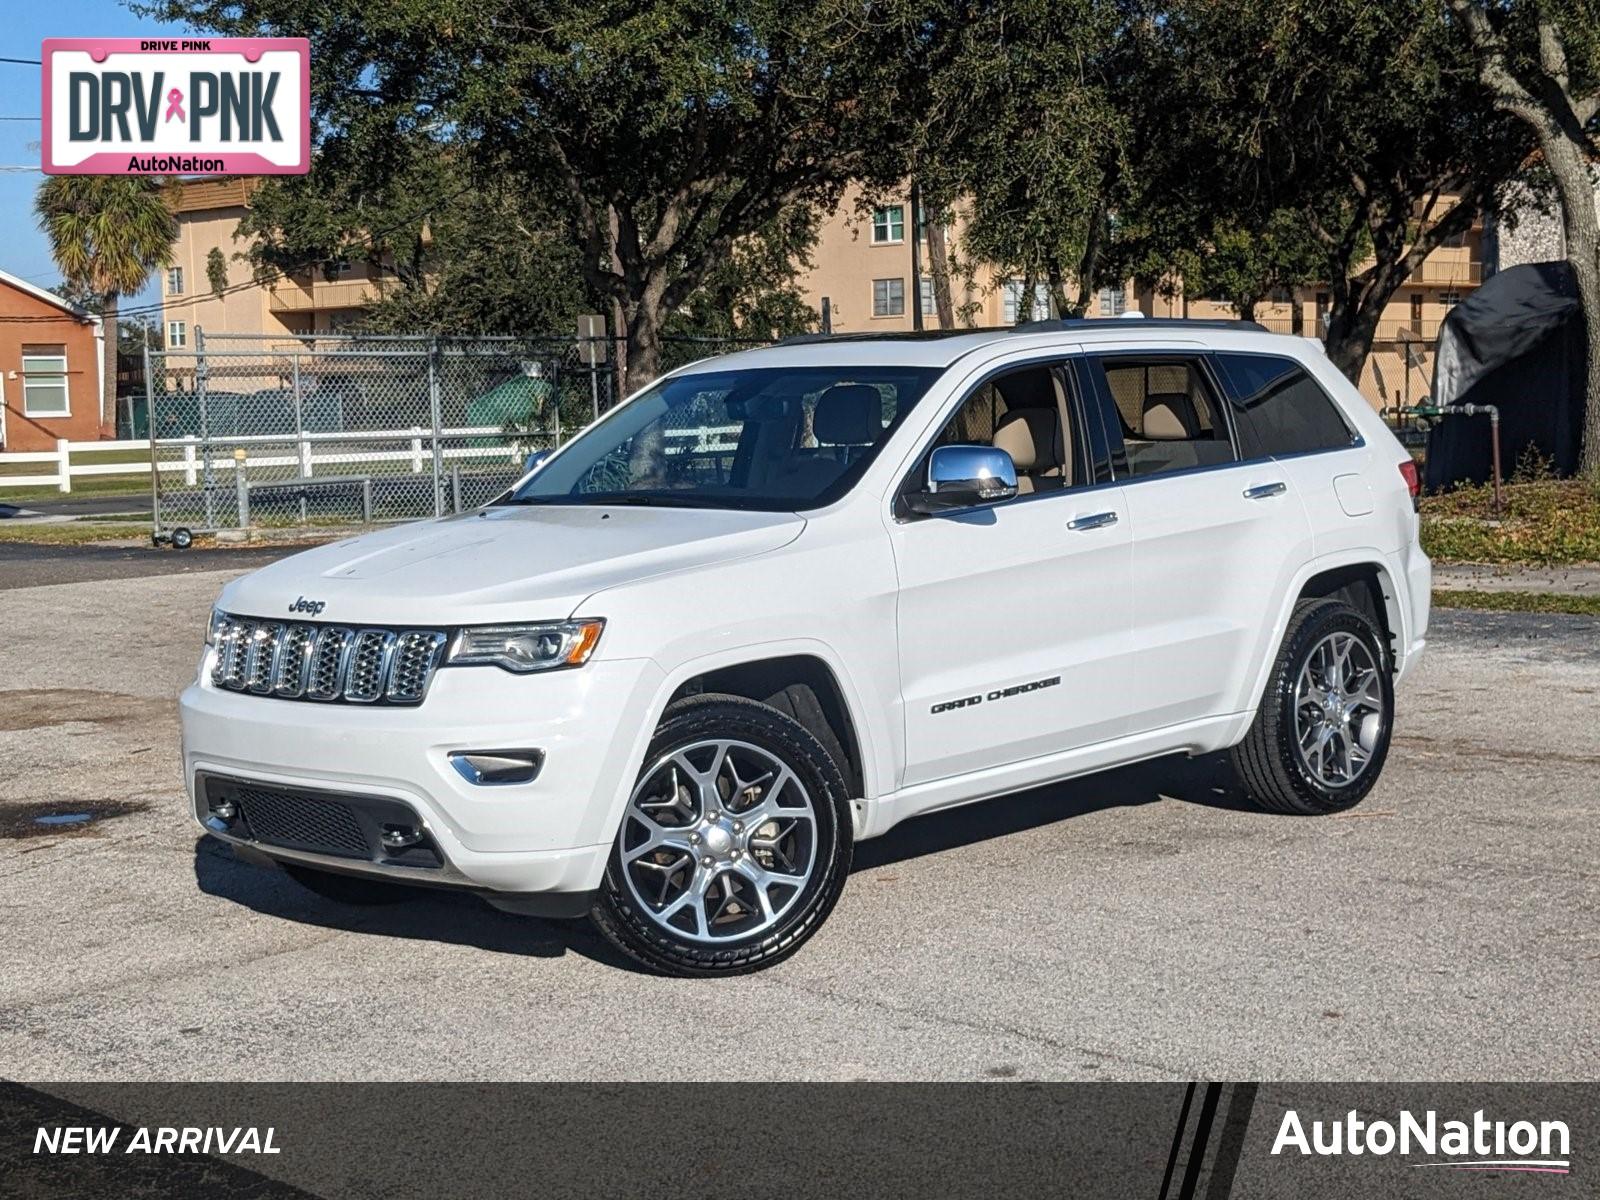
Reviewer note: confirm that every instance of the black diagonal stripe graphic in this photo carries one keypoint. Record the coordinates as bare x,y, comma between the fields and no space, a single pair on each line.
1202,1135
1230,1145
1177,1140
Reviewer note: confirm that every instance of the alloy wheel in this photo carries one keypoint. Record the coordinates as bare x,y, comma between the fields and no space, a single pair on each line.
1338,709
719,841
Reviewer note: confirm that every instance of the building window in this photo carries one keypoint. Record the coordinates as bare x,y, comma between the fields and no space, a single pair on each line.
1011,302
44,381
1449,299
1456,241
888,224
175,281
928,306
888,297
177,334
1113,302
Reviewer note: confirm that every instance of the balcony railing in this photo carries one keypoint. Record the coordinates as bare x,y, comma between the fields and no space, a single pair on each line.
1436,269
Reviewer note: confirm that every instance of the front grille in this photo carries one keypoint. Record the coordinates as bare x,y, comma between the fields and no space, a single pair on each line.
300,822
325,662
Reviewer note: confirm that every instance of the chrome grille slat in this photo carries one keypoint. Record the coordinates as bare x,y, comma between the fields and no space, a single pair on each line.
416,654
369,663
294,661
261,660
302,661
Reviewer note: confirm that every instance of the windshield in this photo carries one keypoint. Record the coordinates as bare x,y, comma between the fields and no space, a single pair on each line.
780,438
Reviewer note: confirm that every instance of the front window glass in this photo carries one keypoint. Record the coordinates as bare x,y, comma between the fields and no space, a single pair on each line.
776,439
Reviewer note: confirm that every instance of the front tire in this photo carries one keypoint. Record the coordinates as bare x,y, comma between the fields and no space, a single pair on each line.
1321,735
735,844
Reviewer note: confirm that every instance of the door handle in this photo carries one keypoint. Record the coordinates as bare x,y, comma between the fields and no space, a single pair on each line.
1093,521
1262,490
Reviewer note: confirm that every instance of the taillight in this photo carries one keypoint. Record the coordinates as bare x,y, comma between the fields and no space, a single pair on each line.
1408,472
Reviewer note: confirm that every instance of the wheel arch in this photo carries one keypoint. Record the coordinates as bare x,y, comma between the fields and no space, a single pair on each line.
801,683
1364,575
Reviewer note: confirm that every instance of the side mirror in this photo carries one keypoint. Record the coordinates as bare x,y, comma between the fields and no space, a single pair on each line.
965,477
534,461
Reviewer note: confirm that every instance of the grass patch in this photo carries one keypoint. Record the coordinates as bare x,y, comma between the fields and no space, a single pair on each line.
69,533
1534,602
1544,521
92,485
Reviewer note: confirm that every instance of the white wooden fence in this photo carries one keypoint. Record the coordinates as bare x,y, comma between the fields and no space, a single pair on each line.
305,453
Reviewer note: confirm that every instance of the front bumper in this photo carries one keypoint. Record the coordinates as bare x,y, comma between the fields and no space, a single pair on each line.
553,834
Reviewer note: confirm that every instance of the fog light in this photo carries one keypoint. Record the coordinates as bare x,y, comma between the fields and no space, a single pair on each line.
224,809
498,766
398,837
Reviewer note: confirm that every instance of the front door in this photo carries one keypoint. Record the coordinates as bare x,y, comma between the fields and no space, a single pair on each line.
1014,619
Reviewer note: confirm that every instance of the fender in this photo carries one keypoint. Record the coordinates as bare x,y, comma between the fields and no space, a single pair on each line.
869,736
1395,603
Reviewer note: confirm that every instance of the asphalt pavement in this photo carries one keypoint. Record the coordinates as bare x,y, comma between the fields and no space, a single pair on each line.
1139,924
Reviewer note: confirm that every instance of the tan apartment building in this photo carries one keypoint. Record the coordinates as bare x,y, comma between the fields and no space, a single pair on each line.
208,213
862,268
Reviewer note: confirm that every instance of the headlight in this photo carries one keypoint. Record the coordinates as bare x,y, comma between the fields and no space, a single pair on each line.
218,620
522,648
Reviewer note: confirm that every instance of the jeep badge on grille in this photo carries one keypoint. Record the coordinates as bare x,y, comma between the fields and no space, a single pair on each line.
302,605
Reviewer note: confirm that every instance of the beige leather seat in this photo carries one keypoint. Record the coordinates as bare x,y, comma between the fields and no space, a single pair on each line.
1170,416
848,418
1033,438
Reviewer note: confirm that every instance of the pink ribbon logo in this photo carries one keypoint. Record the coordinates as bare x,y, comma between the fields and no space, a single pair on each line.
175,105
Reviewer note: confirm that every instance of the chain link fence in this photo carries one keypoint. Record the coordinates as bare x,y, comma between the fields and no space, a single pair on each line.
260,431
263,431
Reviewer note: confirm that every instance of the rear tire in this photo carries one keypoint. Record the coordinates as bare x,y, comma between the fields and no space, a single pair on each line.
1321,734
735,844
348,889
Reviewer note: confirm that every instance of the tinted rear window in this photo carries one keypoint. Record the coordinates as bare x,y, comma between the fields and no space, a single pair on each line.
1279,408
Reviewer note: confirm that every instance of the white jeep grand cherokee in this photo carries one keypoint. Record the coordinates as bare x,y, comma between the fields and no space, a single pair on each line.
781,601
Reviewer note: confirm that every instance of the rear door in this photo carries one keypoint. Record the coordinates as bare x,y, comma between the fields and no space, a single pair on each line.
1216,539
1284,415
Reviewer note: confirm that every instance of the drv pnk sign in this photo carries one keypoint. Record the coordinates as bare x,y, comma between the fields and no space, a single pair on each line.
177,106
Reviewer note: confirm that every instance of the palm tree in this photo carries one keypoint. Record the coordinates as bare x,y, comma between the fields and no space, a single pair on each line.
108,234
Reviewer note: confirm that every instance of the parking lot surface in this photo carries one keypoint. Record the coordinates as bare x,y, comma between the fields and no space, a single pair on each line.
1140,924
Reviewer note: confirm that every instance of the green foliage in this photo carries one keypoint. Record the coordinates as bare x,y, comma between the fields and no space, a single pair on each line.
1353,117
1536,602
1548,521
108,233
217,270
661,135
1027,129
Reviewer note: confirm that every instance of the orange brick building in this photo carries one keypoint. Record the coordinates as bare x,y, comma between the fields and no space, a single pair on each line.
52,369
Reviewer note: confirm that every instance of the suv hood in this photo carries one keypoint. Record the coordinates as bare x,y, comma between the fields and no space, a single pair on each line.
501,564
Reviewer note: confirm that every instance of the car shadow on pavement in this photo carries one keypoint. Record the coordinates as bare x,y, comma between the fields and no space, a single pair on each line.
430,914
1207,781
460,919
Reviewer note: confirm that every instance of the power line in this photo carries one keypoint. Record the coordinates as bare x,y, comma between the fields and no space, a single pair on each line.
23,62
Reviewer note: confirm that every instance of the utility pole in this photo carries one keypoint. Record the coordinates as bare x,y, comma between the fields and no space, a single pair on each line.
916,256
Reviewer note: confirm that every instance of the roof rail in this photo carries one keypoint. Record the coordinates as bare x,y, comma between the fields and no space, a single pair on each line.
1054,325
1065,324
926,335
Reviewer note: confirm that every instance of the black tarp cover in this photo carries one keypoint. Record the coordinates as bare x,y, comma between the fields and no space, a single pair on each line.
1516,343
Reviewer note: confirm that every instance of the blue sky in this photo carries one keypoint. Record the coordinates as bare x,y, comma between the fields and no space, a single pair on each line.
23,249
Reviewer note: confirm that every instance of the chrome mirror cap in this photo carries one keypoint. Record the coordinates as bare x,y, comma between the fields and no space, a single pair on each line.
965,477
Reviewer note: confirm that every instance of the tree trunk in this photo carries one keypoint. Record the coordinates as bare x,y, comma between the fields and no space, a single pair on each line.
939,268
1351,328
1569,166
108,396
